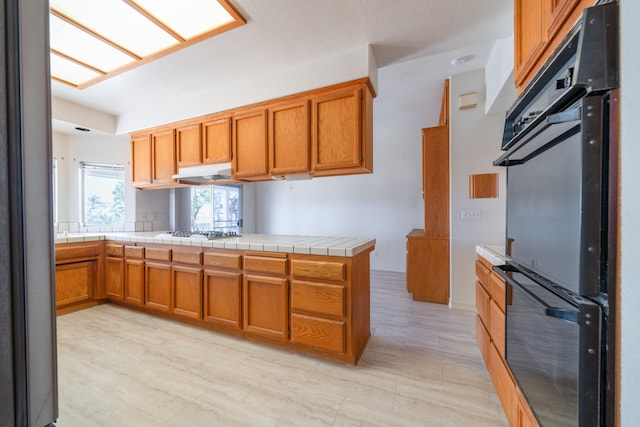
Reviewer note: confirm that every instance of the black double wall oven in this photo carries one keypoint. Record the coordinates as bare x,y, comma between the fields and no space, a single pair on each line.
560,143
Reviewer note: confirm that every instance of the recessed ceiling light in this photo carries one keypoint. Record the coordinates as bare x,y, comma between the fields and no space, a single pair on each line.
461,60
81,129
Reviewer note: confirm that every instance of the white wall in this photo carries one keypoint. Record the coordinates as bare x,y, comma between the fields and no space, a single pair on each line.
475,144
630,206
70,150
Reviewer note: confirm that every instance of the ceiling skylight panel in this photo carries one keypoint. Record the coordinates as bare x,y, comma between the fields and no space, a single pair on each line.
188,18
118,22
84,47
70,72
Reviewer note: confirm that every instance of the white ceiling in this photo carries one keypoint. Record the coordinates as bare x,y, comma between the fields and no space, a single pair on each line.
282,33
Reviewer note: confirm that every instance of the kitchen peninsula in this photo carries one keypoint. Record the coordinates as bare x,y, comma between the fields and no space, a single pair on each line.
309,294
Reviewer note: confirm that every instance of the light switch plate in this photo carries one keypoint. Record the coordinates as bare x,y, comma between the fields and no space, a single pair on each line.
471,214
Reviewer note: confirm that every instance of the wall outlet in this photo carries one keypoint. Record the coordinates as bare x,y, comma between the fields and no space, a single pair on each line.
471,214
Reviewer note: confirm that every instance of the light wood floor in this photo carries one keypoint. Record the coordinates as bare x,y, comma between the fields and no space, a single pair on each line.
118,367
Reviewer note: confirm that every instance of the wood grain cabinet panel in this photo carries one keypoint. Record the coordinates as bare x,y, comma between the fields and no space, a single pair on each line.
141,160
322,270
187,291
482,272
158,254
317,332
134,252
337,130
318,298
530,36
496,327
186,256
428,268
216,145
266,264
435,180
77,251
497,290
158,285
265,308
482,339
189,145
503,383
223,298
75,282
114,250
482,303
134,281
223,260
115,278
163,150
250,145
289,138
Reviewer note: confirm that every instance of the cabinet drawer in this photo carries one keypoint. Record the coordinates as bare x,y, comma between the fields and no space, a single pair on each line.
158,254
115,250
482,272
323,270
482,303
222,260
77,252
318,298
316,332
265,264
187,257
496,326
497,290
134,252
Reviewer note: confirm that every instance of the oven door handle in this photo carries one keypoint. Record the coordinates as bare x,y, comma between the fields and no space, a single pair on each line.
559,313
573,115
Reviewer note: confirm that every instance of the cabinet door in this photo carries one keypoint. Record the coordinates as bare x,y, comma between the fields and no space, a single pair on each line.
74,282
265,306
223,298
216,145
187,291
337,130
158,286
189,145
141,159
435,180
317,332
163,150
557,13
134,281
115,278
289,138
530,36
250,144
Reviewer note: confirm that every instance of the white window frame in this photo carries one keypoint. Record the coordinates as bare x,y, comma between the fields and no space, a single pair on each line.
84,166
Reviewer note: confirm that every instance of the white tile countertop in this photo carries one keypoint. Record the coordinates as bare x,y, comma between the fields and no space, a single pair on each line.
494,254
310,245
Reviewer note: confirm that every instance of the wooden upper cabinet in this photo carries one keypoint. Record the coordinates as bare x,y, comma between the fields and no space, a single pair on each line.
530,36
250,144
189,145
337,130
289,138
141,159
435,174
163,149
216,136
539,27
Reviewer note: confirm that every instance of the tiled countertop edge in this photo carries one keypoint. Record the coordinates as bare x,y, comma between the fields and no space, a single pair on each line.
494,254
310,245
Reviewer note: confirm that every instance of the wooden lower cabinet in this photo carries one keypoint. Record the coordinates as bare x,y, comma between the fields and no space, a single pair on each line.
318,332
134,276
265,306
428,267
187,291
158,284
223,298
75,282
492,295
114,280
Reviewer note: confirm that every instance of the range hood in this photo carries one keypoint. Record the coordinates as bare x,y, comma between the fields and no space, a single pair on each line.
204,174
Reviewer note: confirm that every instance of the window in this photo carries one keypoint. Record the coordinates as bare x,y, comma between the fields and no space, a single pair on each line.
102,193
216,207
